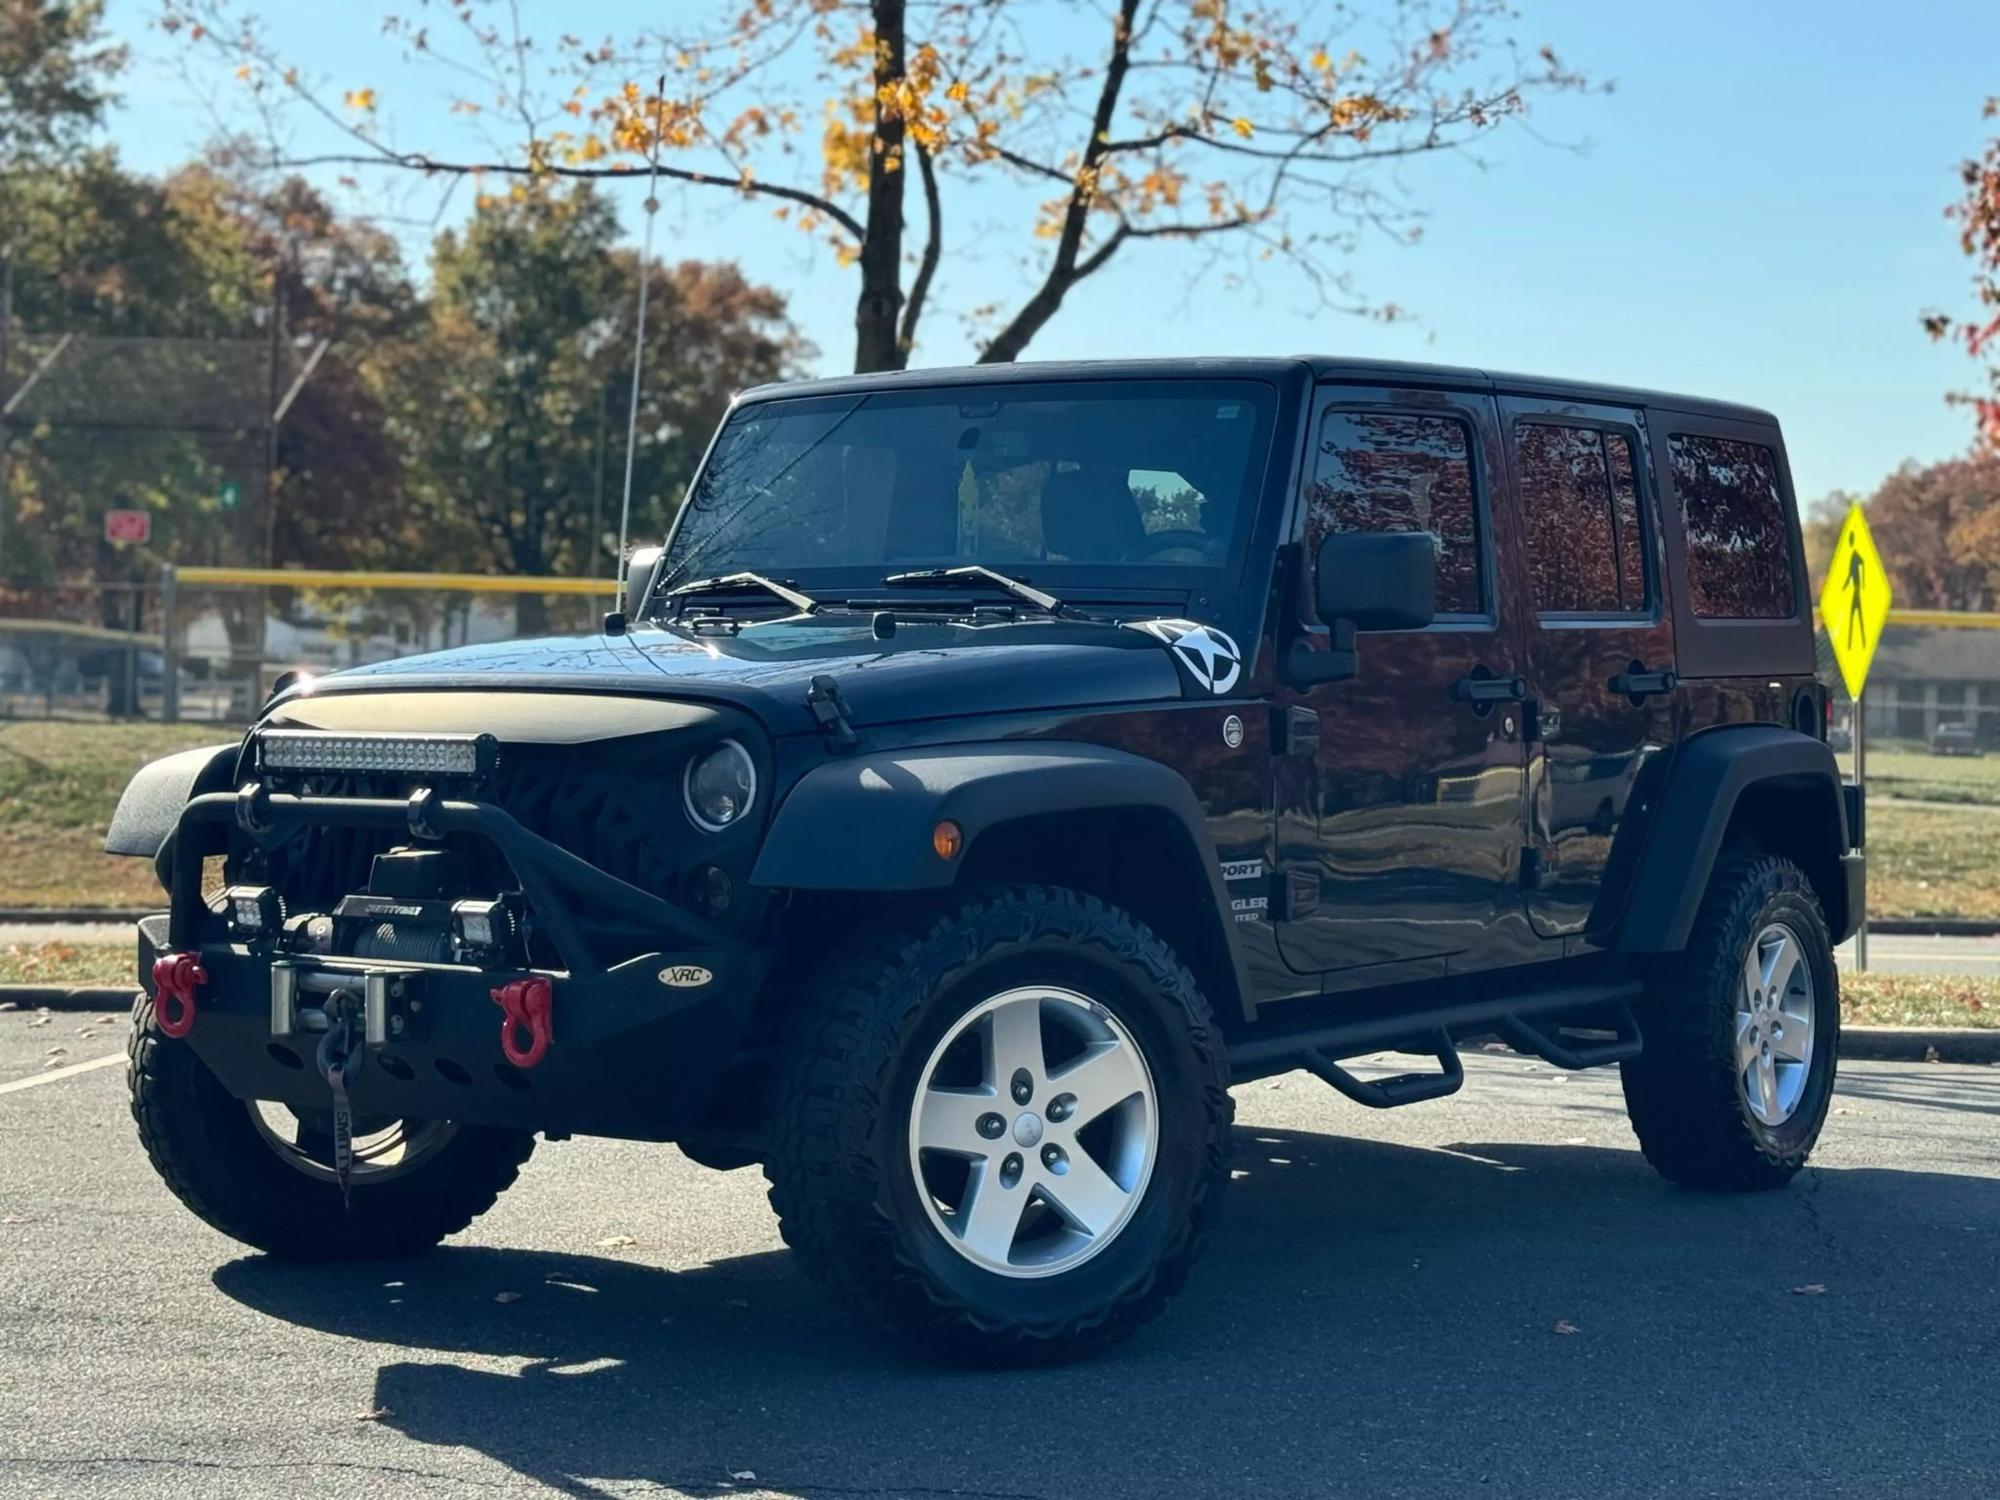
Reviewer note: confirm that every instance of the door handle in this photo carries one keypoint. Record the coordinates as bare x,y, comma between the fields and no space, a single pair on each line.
1489,690
1636,683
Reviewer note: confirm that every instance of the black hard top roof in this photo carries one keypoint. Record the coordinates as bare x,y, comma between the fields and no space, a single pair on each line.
1329,368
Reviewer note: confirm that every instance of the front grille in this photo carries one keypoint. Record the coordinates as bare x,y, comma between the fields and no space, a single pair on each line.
608,805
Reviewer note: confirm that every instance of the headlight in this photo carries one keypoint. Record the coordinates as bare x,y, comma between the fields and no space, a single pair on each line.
719,786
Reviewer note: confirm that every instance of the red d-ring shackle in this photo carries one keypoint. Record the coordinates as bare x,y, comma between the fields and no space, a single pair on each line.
526,1004
176,977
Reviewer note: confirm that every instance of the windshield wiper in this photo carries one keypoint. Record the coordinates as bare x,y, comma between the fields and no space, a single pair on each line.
973,575
731,583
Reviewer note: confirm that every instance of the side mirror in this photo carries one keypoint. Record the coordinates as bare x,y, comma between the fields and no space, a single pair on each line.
640,574
1377,580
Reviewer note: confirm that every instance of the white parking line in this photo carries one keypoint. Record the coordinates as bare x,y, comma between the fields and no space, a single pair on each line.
56,1075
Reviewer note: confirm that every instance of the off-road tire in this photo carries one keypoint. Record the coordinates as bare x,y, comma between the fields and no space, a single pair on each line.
1681,1091
210,1153
839,1167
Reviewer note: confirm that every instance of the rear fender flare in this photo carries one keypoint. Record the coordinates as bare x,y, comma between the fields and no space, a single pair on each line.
1703,790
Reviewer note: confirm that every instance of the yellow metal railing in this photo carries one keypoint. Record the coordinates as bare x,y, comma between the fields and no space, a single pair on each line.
330,578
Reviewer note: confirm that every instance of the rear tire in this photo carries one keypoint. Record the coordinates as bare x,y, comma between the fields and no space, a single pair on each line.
1716,1099
898,1226
208,1149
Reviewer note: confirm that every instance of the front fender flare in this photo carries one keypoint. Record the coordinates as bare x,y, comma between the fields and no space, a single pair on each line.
150,807
864,823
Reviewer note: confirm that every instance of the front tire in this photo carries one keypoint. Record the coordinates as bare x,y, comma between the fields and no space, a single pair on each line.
1742,1034
1002,1130
231,1165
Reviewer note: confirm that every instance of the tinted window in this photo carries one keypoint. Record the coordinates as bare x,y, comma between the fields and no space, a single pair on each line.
1580,501
1019,477
1387,471
1739,549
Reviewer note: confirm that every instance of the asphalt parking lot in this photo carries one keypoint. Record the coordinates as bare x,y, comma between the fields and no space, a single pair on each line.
1380,1314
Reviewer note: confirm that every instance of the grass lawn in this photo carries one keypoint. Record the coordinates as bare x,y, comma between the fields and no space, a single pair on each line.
1901,768
1931,862
1919,1000
69,963
58,784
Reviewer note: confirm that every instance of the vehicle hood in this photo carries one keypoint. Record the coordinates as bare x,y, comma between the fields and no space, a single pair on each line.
922,673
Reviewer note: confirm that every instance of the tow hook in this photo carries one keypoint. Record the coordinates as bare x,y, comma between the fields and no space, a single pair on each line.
176,978
525,1033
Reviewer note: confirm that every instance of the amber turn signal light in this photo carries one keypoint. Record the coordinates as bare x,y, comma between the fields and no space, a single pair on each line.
947,839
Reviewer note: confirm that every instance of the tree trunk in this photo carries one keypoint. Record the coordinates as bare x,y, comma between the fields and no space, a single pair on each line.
878,312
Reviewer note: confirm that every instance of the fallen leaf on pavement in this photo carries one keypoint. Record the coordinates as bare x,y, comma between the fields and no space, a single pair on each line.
1810,1289
376,1415
9,1005
107,1020
41,1020
1930,1054
1563,1325
506,1296
742,1473
618,1242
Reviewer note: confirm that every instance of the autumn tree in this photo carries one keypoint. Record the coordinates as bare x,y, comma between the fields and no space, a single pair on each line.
1977,215
518,390
1253,134
1938,529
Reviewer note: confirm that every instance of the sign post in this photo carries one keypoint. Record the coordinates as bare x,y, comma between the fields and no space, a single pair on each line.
1854,606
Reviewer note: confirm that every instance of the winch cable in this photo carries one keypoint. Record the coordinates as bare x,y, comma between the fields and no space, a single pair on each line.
341,1054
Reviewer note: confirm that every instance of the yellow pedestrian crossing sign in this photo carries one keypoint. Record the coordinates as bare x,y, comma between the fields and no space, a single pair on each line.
1854,604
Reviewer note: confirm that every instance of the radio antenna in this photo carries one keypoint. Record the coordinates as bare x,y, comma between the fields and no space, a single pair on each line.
639,332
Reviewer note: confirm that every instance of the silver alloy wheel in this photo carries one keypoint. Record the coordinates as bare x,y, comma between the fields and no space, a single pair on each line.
1030,1167
398,1147
1775,1007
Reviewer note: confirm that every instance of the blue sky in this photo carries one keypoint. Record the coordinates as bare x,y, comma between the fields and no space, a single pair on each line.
1756,214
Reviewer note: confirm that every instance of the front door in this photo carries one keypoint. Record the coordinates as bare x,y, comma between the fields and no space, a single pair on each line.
1600,641
1410,811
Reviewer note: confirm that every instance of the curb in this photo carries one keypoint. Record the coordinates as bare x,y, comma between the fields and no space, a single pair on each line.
40,915
1934,927
103,997
1958,1044
1914,1044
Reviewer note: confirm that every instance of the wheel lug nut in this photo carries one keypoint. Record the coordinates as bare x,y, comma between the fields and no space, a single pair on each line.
991,1125
1023,1086
1054,1159
1062,1107
1010,1170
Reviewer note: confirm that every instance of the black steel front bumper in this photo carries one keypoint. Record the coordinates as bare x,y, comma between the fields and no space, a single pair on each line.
638,1044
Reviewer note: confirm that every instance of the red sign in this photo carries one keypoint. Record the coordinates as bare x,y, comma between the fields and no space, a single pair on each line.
128,526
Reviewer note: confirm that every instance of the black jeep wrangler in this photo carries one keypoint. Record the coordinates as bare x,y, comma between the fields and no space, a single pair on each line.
991,768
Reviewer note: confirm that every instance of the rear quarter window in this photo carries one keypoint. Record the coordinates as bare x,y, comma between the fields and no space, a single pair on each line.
1739,544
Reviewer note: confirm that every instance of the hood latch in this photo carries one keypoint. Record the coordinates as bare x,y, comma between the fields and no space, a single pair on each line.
830,710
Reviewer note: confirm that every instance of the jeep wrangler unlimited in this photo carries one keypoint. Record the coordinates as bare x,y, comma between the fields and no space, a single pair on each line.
990,768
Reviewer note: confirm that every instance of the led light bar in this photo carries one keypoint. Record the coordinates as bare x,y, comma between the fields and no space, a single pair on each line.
389,754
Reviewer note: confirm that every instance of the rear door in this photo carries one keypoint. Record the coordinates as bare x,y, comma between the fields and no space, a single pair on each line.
1599,641
1406,820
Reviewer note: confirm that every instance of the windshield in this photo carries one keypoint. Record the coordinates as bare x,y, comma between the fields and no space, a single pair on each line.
1045,482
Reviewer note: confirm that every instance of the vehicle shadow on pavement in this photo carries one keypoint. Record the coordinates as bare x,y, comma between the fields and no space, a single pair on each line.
1538,1319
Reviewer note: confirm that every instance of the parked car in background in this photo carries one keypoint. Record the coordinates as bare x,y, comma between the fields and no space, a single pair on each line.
1955,739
